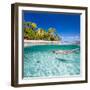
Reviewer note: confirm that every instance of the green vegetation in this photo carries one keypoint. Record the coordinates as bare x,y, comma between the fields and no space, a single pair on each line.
32,32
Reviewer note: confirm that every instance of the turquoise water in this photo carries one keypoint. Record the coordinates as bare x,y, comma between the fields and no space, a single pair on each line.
40,61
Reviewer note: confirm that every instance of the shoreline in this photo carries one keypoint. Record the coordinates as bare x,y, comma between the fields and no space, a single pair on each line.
43,42
40,42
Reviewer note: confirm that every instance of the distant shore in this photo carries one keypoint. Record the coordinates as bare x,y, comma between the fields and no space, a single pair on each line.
40,42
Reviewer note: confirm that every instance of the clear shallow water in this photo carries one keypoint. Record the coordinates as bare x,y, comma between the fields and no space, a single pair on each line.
40,61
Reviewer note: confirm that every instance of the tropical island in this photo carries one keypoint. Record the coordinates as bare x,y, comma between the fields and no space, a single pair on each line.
34,34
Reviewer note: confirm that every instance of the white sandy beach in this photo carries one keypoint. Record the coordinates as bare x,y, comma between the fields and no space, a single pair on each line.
40,42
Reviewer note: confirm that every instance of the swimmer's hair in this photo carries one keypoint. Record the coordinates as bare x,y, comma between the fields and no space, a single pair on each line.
53,51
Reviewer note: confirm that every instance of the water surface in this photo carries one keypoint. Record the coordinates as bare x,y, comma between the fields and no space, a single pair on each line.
40,61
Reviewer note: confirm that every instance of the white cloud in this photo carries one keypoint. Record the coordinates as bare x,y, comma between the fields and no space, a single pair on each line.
70,38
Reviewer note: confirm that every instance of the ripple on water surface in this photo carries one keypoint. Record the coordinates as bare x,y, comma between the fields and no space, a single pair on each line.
40,61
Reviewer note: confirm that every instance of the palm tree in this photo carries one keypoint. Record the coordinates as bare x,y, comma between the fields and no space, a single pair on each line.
51,30
57,38
31,25
32,32
34,26
51,33
40,33
29,30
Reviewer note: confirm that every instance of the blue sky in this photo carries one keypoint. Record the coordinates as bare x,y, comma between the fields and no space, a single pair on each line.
67,25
